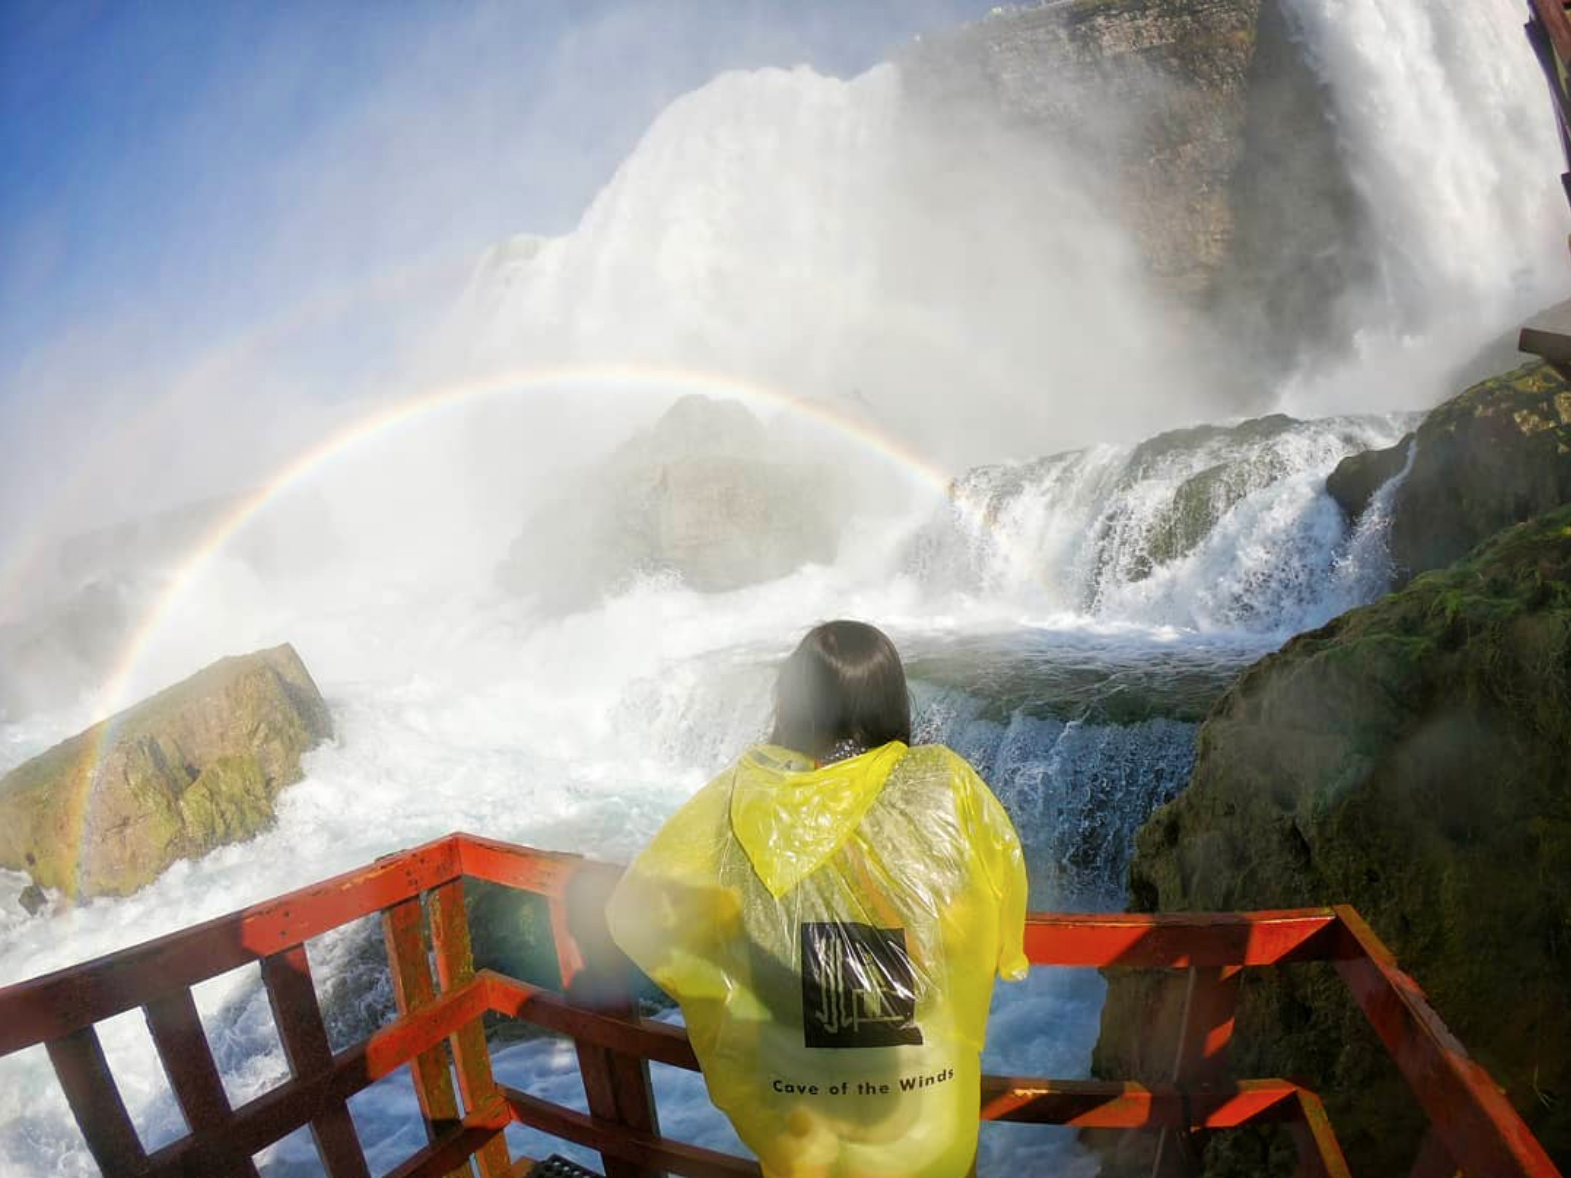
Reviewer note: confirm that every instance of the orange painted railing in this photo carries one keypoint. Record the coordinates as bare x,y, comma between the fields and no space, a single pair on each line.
439,1033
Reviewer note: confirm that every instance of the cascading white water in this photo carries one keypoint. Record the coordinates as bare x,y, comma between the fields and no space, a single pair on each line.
1214,529
1444,122
823,237
1447,132
758,229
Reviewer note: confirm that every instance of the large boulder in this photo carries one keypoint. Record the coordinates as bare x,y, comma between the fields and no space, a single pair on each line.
195,766
1496,455
1413,759
706,493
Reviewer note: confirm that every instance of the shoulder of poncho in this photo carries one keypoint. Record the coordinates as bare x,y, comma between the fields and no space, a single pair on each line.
936,760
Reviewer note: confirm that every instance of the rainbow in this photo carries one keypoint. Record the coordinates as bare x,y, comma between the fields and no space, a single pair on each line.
421,406
215,366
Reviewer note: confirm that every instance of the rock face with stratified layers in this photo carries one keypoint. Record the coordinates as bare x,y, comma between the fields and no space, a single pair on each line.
1413,759
1209,132
189,769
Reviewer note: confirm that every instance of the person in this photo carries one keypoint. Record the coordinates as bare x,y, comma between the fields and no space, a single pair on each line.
830,913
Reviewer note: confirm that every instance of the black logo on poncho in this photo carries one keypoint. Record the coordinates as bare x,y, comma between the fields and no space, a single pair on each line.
858,986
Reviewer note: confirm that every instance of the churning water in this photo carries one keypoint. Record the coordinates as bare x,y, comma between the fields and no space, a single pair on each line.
1067,620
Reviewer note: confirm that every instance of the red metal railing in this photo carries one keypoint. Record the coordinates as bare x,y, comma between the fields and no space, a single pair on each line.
439,1033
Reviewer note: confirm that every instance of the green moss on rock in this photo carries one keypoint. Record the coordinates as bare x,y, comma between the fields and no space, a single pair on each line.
1496,455
1411,758
230,800
188,769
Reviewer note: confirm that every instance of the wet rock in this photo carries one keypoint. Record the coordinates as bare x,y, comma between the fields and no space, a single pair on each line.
193,767
1209,132
1358,476
1496,455
1411,759
33,900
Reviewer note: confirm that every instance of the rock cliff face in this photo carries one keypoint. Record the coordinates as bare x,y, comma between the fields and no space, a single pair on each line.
1209,130
1412,758
1496,455
706,493
189,769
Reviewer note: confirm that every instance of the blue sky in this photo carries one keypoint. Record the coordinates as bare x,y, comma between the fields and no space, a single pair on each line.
172,170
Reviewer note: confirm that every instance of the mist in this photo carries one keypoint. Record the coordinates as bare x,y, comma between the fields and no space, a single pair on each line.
340,225
288,209
541,372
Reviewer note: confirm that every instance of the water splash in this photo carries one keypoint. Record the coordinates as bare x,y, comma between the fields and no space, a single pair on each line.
1215,528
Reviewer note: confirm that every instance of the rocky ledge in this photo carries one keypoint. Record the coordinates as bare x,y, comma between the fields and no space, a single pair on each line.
193,767
1411,758
1496,455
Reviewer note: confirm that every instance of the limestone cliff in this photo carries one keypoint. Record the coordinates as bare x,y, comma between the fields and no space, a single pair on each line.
1412,758
1208,130
195,766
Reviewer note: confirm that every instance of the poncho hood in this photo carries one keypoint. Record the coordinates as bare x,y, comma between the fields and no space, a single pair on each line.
790,817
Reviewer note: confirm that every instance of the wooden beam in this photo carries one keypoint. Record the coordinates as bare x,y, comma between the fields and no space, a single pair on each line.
1552,15
403,931
58,1003
691,1161
1121,1104
545,873
1179,940
455,968
596,977
89,1087
1548,334
287,976
450,1152
1319,1152
653,1040
1474,1120
188,1062
280,1111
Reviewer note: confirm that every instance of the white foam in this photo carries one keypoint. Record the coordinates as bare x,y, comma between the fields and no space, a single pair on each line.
458,709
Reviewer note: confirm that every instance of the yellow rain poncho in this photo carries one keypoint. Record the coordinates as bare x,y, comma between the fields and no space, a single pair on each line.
832,935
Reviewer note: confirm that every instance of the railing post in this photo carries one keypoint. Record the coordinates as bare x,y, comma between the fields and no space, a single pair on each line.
595,975
403,930
1204,1036
188,1062
287,976
95,1102
455,965
1319,1155
1210,1006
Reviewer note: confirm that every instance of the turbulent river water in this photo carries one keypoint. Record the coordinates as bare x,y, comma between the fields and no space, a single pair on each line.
1067,621
1066,625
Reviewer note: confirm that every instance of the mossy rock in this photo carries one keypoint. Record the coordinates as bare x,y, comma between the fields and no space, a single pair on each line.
195,766
1358,476
1496,455
1413,759
510,932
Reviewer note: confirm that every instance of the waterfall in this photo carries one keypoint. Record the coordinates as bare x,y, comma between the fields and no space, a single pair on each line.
1216,528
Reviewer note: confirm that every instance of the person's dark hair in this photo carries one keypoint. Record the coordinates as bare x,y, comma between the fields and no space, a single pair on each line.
843,683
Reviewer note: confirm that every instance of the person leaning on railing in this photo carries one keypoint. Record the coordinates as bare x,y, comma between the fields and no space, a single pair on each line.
830,913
